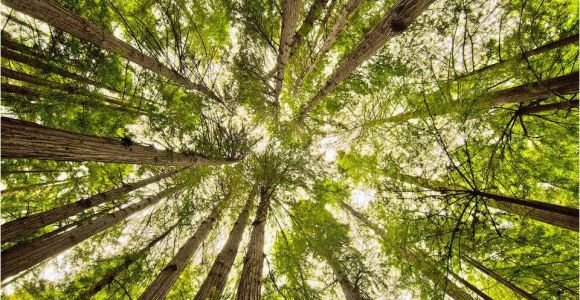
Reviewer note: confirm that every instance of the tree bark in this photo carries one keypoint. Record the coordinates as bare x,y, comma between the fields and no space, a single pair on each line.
499,278
313,14
159,288
110,275
56,15
350,291
215,282
250,283
565,105
22,139
19,228
573,39
426,266
290,14
470,286
20,258
395,21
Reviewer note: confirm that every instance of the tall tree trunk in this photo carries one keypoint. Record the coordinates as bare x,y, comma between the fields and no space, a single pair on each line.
215,282
56,15
350,291
339,25
470,286
557,215
20,76
566,84
22,139
130,259
15,190
573,39
313,14
395,21
159,288
20,258
565,105
499,278
21,227
427,266
250,284
290,14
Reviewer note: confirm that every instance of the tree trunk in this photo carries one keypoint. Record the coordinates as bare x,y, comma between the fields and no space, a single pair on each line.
130,259
565,105
22,139
313,14
20,258
573,39
250,283
470,286
350,291
339,25
215,282
21,227
427,267
290,14
499,278
15,190
395,21
56,15
159,288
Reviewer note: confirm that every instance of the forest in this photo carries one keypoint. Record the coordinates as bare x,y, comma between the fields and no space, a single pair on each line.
289,149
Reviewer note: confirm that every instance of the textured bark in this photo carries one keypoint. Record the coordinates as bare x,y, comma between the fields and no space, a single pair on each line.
215,282
565,105
339,25
21,227
566,84
499,278
313,14
15,190
350,291
573,39
110,275
426,266
22,139
250,283
290,14
159,288
395,21
557,215
20,76
56,15
18,259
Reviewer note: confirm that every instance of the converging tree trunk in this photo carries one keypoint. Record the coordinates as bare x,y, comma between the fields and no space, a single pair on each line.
250,284
349,289
159,288
130,259
313,14
215,282
19,228
290,14
21,139
395,21
499,278
20,258
56,15
564,105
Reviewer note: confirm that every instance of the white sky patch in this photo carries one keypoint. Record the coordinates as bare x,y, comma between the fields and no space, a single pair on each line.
328,148
361,197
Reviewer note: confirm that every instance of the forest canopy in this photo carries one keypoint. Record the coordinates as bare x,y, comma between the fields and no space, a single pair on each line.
289,149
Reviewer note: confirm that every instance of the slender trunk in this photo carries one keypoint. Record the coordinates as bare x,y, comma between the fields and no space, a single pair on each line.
290,14
22,139
499,278
470,286
565,105
573,39
215,282
250,283
557,215
339,25
110,275
313,14
6,172
36,251
20,76
395,21
350,291
427,266
56,15
566,84
15,190
19,228
159,288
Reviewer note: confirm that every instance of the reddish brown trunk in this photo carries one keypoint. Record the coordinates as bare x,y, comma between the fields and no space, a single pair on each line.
250,283
215,282
290,14
22,139
395,21
21,227
313,14
18,259
470,286
55,15
159,288
350,291
565,105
